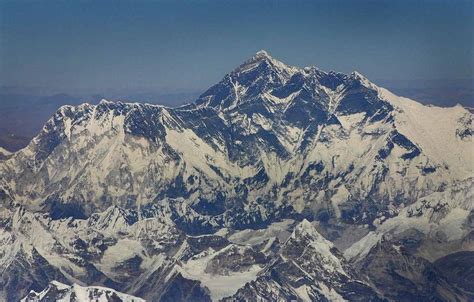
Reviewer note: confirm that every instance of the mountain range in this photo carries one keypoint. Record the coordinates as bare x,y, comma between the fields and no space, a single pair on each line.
278,183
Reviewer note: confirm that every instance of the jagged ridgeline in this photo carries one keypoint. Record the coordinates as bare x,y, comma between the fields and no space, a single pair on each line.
277,183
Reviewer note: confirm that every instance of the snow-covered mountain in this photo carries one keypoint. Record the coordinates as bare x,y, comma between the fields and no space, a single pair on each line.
307,268
57,291
205,200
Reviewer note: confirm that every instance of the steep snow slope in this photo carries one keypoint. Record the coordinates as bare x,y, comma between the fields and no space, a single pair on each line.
441,133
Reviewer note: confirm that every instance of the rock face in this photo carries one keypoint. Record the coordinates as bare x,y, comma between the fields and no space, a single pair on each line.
213,199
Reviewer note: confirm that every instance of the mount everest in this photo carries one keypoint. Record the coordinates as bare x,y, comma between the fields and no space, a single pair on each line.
278,183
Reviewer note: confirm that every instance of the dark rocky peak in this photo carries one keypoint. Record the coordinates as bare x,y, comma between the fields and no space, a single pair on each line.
305,94
331,80
105,106
359,95
264,62
258,75
113,217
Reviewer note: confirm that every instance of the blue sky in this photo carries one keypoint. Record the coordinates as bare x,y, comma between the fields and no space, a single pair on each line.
186,45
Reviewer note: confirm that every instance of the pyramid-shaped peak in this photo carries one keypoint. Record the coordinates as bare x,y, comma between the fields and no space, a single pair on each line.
305,233
263,57
262,54
306,227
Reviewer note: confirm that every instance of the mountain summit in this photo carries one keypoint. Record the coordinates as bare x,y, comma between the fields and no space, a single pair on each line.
263,81
204,200
263,58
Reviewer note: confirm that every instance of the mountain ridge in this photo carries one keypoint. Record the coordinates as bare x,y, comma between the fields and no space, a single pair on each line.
229,178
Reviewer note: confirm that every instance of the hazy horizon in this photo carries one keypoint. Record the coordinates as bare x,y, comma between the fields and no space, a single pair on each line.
165,45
